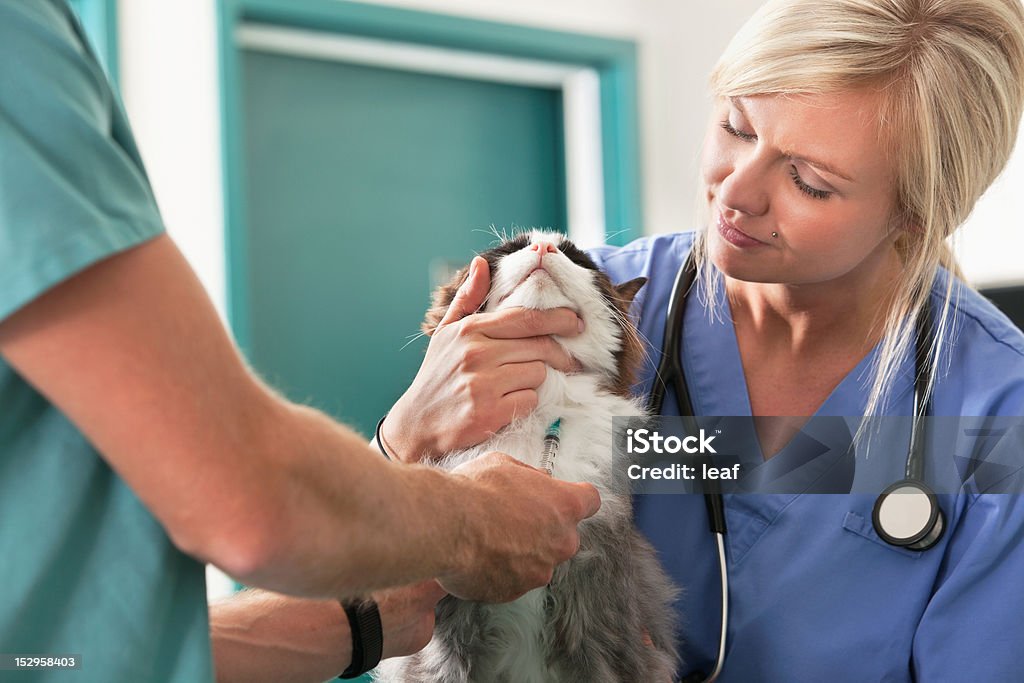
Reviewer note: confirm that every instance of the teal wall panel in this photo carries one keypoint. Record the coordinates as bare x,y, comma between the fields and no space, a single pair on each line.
357,181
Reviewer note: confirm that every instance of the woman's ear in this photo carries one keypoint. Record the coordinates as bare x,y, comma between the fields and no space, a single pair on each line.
903,220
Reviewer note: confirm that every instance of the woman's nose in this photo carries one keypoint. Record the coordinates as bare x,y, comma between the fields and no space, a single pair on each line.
744,189
544,247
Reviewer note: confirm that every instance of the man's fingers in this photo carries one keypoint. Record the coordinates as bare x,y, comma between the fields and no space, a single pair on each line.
519,323
471,294
588,497
506,459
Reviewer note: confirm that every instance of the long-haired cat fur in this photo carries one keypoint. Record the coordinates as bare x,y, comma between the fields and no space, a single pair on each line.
590,623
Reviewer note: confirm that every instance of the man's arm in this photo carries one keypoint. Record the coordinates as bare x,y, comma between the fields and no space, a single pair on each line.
261,636
277,495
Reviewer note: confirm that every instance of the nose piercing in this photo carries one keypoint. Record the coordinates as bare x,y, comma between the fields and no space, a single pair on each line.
775,234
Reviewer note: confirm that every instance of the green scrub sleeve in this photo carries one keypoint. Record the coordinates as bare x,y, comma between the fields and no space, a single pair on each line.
72,185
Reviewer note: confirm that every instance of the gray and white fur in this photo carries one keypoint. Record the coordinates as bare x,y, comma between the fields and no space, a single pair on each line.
589,624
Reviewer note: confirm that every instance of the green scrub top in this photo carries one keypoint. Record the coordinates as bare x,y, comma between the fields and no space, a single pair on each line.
84,568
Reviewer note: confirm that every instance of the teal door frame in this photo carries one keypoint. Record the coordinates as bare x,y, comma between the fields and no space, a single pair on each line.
99,19
614,60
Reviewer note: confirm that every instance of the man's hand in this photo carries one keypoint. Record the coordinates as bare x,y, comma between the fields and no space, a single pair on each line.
479,372
523,524
407,616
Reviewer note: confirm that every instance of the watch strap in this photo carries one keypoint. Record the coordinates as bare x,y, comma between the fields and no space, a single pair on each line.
367,636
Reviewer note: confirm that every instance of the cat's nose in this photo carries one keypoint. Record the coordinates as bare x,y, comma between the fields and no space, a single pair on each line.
544,247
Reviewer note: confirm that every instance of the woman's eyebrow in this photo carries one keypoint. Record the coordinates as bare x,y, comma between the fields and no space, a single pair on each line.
828,168
819,164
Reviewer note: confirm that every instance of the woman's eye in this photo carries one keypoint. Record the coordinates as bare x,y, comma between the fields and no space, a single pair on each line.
797,180
728,127
805,188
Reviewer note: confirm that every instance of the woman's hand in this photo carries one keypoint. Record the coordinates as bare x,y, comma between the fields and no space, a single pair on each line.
480,372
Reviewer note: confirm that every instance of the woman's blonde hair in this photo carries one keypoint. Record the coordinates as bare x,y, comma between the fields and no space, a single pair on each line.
951,75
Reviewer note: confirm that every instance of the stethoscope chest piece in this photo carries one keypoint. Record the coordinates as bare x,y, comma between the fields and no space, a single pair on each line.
907,515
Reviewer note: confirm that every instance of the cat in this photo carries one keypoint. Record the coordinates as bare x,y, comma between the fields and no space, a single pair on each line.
607,616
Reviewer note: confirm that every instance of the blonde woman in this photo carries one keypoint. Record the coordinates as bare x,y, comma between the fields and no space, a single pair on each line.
849,139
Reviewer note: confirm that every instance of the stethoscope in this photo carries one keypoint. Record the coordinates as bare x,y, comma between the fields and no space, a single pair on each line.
906,514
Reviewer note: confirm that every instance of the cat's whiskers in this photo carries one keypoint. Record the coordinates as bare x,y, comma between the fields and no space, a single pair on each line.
491,230
629,328
615,234
412,338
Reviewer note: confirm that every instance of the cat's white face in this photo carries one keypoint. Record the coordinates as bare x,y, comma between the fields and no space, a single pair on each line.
538,274
544,270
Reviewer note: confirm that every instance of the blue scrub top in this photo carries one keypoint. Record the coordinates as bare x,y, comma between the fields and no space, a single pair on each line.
84,567
815,593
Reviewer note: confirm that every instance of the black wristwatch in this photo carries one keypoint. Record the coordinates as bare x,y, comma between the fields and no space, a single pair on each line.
367,636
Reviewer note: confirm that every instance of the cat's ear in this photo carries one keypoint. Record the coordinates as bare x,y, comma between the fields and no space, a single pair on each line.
627,290
443,297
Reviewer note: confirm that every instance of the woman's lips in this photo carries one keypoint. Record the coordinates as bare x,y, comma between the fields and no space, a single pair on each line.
735,236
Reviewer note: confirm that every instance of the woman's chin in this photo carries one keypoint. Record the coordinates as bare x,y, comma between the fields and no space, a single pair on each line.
734,263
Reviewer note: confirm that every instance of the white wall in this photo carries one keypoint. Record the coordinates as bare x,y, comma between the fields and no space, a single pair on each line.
990,245
170,87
